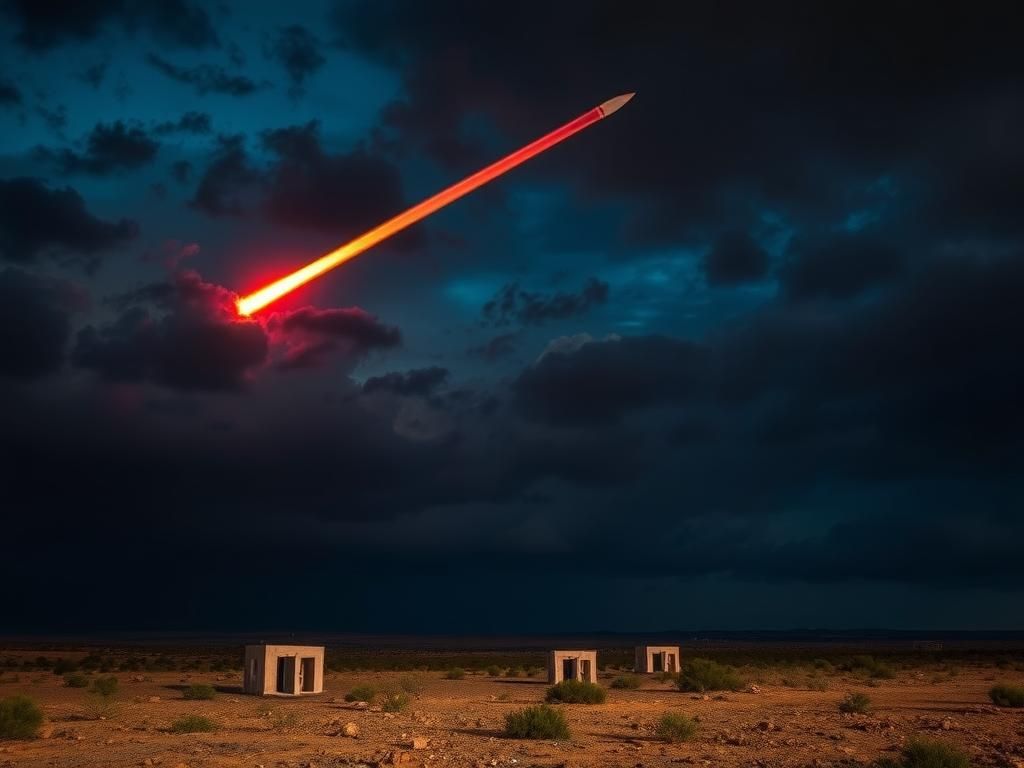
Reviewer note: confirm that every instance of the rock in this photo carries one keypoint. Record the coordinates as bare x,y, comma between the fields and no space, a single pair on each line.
947,725
397,757
154,699
389,715
350,729
765,725
419,742
46,731
753,689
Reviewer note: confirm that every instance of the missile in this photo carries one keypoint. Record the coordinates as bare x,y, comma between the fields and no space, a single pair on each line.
270,293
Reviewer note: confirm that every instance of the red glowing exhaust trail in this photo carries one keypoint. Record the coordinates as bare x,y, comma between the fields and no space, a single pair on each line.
275,290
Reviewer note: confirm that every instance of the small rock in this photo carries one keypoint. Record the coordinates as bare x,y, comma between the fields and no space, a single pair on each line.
46,731
419,742
154,699
350,729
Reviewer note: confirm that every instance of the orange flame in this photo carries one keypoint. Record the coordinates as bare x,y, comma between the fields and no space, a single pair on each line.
256,301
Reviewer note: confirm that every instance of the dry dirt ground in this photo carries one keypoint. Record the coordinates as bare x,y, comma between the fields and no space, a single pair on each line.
462,721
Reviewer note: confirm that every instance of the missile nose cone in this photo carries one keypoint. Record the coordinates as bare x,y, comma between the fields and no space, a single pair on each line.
615,104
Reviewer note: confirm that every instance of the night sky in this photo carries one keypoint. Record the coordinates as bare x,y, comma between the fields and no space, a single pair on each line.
746,354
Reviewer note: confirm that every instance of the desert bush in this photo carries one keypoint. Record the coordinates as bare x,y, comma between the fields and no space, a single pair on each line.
193,724
394,701
576,692
816,683
872,667
705,675
76,680
104,687
539,722
63,666
362,692
855,702
626,682
920,752
20,718
514,672
824,665
455,673
494,671
666,677
675,726
1006,695
199,692
412,684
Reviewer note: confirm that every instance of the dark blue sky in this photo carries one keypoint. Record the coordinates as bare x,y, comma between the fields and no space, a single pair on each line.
744,355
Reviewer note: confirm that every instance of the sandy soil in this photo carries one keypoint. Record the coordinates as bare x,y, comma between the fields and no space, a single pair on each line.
462,721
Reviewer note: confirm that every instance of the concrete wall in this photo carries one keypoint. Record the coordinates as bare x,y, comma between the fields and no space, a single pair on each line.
584,671
261,662
644,662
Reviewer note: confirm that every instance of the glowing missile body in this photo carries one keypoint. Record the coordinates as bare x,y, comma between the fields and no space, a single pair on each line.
270,293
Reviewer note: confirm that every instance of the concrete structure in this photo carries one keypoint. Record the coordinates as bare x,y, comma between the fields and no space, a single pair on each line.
284,670
656,658
572,665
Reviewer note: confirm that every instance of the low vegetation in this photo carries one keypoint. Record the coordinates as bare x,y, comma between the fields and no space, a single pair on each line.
456,673
412,684
576,692
105,687
393,700
1006,695
199,692
20,718
855,703
494,671
626,682
920,752
870,666
675,726
702,675
539,722
362,693
193,724
76,680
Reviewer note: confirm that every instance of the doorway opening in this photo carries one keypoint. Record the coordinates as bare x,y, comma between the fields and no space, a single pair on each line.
286,674
568,669
307,674
658,662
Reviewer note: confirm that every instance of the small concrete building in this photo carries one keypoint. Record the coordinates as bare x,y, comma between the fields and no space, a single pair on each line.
572,665
656,658
284,670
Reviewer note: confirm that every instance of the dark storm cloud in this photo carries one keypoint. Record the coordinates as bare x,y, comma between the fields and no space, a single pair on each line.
311,336
198,344
298,51
181,170
225,180
735,257
684,172
205,78
420,381
190,122
109,149
9,94
838,266
35,322
341,194
599,381
35,220
46,25
94,73
512,304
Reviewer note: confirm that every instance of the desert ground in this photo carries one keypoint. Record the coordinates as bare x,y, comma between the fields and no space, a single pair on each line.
786,715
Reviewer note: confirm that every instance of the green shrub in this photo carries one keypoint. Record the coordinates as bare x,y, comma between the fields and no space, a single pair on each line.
104,687
576,692
856,702
920,752
76,680
626,682
361,693
63,666
456,673
705,675
394,701
515,672
675,726
539,722
20,718
872,667
199,692
1006,695
494,671
824,665
816,683
193,724
413,684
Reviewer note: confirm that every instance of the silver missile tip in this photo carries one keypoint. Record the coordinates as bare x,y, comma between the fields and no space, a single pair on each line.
615,104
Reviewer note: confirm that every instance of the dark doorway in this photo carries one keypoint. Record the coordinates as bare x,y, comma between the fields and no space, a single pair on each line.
671,665
585,670
286,674
568,669
658,662
307,674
